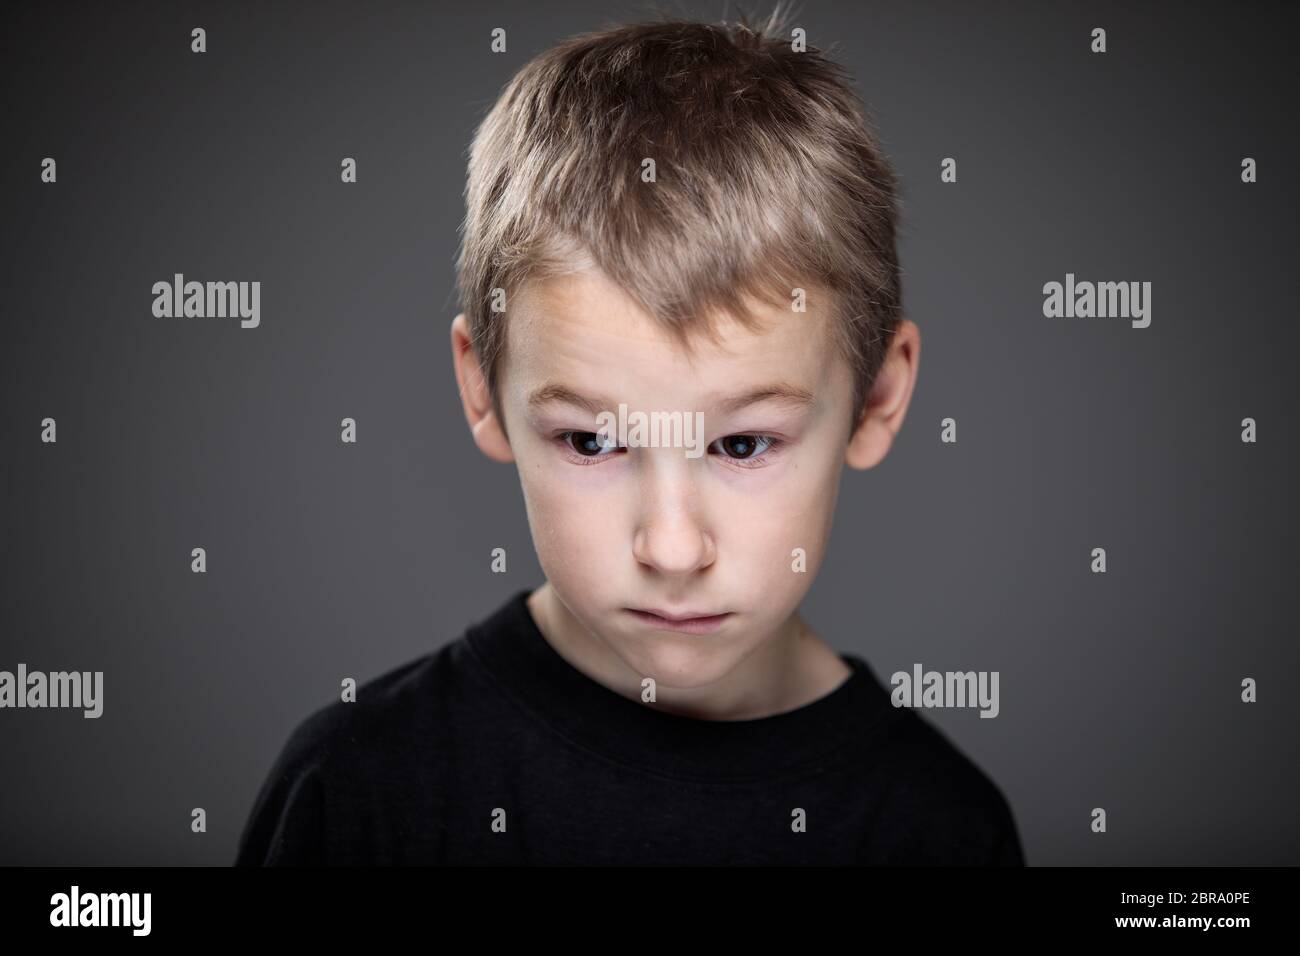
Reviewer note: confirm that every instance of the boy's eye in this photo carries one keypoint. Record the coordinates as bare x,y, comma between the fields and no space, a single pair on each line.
743,446
588,444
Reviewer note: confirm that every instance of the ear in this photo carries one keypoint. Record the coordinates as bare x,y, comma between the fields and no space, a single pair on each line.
483,424
886,406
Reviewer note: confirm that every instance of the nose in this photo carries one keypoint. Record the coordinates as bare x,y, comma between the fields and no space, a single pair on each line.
671,536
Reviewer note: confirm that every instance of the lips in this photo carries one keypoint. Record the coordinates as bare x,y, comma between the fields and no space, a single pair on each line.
691,622
687,616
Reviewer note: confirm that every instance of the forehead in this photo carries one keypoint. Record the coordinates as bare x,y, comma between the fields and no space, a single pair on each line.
583,331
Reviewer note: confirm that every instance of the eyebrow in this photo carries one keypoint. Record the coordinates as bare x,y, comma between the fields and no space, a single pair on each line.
779,392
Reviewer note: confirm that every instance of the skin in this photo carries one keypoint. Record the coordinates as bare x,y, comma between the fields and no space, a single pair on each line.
649,527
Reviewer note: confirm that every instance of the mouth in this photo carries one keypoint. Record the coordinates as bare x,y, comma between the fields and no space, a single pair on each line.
690,622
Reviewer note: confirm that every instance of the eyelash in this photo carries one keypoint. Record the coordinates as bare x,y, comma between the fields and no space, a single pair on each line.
772,442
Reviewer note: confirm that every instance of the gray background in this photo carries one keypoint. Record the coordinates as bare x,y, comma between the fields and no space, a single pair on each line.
1118,690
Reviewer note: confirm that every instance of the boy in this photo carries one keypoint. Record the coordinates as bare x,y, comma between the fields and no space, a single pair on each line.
690,222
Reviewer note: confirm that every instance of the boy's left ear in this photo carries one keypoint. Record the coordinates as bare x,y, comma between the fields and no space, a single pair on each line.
886,406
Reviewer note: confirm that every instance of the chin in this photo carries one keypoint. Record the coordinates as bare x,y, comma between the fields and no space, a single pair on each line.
674,663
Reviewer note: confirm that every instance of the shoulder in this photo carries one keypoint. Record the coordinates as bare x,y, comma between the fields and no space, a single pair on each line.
338,750
937,806
384,705
407,705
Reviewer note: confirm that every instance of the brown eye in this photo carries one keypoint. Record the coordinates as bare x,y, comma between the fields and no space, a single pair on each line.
742,447
588,444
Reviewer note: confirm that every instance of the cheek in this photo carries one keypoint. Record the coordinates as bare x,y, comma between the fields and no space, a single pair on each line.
571,522
795,497
762,529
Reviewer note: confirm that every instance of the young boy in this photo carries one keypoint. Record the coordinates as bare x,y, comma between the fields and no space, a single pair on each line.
690,222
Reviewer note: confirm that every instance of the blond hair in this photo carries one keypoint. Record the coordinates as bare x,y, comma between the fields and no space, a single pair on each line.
768,179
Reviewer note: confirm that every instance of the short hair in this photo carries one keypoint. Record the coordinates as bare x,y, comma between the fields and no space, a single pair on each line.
768,179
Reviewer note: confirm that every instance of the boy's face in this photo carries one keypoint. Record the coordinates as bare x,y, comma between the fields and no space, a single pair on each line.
619,529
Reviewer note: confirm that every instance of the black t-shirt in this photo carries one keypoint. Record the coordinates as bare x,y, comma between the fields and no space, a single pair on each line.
495,750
